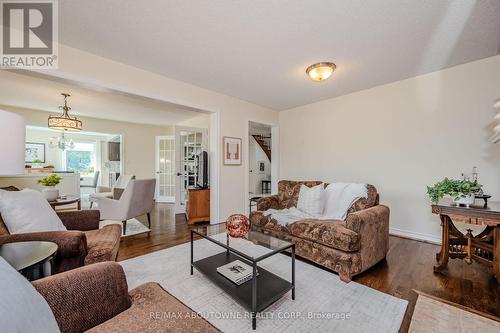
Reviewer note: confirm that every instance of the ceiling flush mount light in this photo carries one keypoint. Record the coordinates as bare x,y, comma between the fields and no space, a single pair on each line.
320,71
64,121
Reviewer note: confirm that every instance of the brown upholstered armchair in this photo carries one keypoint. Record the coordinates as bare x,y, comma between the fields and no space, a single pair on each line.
82,244
95,298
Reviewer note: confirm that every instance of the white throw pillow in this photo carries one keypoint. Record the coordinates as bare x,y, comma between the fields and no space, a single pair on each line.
22,308
339,197
311,199
28,211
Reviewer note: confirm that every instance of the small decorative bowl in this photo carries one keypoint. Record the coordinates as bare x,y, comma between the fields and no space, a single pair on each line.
237,225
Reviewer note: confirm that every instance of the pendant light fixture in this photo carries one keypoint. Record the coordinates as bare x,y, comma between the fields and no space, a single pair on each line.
64,121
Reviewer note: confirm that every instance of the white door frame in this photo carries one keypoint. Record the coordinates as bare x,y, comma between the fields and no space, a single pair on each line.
215,157
274,159
179,209
158,198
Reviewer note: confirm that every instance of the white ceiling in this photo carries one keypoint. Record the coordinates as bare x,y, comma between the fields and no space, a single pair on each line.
38,93
258,50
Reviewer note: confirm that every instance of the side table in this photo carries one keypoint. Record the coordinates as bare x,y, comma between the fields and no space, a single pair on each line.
66,200
483,248
31,259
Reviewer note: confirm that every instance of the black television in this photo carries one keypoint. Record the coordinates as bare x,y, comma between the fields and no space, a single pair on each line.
202,170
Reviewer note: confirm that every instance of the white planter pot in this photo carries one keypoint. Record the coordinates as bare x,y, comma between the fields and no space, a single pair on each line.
50,192
467,200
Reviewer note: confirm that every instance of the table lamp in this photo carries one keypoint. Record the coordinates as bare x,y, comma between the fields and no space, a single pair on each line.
12,143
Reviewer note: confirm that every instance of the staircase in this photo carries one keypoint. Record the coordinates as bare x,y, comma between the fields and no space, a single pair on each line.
264,143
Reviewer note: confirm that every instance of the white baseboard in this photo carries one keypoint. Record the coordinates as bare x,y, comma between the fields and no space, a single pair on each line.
415,235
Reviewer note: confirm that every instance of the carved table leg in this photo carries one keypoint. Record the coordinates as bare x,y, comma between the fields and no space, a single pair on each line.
469,236
442,257
496,252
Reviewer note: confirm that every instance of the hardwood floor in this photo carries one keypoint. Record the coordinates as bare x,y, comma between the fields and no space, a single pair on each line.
408,267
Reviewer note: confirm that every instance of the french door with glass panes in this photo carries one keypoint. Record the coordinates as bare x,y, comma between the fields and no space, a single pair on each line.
189,143
165,168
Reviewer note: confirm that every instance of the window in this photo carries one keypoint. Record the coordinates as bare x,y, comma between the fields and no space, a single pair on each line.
81,159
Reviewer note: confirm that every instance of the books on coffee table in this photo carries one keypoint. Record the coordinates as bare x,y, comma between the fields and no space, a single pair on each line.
237,272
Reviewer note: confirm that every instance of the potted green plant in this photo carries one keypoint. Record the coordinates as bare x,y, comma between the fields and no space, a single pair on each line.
50,191
462,191
36,163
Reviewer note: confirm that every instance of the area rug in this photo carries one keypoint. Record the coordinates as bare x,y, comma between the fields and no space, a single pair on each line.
134,227
434,315
323,303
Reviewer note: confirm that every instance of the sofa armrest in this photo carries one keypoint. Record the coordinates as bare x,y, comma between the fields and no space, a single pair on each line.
87,296
83,220
269,202
378,214
102,189
69,243
372,224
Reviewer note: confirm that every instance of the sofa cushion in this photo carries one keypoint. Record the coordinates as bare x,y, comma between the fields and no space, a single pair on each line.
329,233
22,308
258,219
288,191
94,197
28,211
103,243
155,310
311,199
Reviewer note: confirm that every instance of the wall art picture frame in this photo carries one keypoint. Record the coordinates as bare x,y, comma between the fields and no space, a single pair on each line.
231,149
262,167
34,152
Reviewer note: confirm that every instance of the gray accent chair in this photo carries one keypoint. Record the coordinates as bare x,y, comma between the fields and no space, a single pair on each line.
95,179
136,200
111,192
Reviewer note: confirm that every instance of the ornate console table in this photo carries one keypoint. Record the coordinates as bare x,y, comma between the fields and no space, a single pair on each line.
483,248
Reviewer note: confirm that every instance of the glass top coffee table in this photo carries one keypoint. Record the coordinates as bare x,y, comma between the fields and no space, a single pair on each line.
264,288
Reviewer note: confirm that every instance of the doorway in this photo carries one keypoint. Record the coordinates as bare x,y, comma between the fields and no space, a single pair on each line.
189,143
260,160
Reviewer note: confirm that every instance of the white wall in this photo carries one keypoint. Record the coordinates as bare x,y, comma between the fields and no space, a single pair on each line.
400,137
200,121
233,113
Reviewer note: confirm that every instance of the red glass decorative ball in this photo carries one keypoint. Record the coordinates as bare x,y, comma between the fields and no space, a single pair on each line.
237,225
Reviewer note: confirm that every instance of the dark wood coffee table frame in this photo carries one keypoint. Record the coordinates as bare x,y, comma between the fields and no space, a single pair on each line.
255,295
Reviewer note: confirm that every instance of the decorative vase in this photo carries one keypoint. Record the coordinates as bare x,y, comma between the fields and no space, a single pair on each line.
465,200
51,193
237,225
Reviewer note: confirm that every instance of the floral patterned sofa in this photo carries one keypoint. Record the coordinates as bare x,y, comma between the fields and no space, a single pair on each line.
347,247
